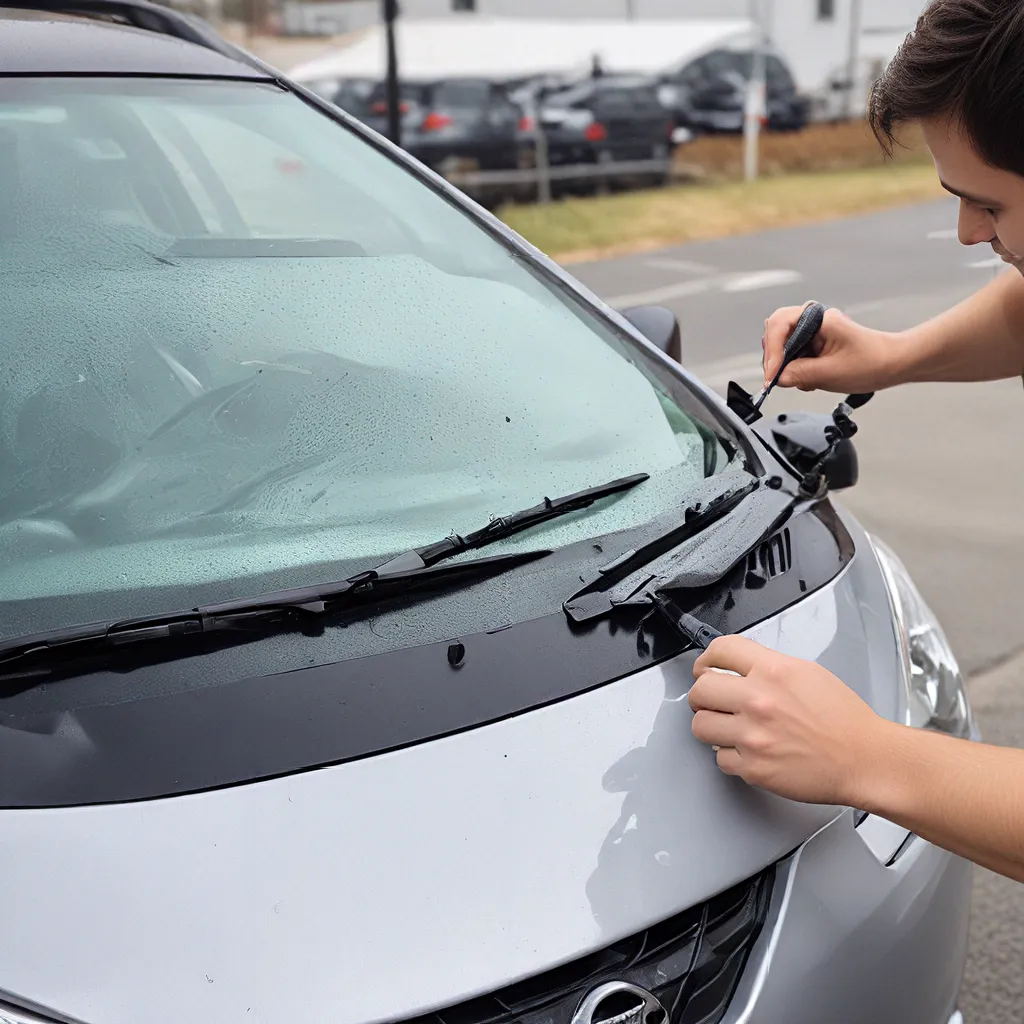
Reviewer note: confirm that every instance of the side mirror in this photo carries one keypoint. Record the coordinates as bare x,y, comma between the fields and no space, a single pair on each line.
659,326
800,438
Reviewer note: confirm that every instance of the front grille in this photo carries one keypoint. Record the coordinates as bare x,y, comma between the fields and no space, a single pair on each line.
691,963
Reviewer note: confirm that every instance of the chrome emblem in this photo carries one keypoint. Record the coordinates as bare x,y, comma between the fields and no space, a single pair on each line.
604,1005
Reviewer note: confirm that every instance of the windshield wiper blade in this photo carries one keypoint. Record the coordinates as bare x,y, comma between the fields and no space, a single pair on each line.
506,526
411,572
284,607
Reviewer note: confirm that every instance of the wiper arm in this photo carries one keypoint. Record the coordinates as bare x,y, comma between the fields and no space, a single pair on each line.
284,608
413,572
593,599
507,526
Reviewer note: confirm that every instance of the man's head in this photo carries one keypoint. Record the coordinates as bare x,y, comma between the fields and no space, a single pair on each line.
960,75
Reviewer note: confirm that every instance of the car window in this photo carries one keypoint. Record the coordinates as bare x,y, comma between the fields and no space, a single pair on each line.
719,63
578,96
692,76
238,339
461,95
353,97
777,75
646,102
411,94
611,103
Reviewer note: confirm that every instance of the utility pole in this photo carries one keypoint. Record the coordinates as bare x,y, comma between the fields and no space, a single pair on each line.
541,159
393,93
755,104
853,56
630,10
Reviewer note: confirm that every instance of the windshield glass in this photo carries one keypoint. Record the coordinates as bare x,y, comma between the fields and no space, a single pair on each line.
238,339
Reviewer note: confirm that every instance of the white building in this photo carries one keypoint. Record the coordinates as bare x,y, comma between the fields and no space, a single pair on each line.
817,37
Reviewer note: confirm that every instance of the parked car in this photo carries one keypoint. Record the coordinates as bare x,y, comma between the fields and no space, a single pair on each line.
613,117
351,94
454,123
335,678
709,93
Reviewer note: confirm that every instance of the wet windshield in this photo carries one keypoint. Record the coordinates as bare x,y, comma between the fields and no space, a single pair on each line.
238,339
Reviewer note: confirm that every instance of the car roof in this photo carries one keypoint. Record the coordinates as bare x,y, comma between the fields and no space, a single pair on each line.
35,43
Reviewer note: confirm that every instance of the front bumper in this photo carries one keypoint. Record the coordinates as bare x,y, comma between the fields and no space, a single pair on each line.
862,929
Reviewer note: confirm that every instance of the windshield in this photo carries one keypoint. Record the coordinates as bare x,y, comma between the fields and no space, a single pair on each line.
238,339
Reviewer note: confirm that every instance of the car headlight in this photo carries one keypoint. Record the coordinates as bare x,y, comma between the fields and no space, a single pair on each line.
936,697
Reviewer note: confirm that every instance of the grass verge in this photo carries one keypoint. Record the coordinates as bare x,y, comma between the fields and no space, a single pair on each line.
574,230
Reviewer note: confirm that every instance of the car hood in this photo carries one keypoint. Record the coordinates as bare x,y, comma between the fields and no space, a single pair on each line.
385,887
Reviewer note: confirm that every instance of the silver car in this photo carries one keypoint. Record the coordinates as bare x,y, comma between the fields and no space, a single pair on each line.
340,535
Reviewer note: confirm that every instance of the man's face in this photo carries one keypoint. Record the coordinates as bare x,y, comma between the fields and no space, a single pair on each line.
991,200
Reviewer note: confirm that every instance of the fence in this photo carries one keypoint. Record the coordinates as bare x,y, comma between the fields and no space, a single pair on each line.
536,181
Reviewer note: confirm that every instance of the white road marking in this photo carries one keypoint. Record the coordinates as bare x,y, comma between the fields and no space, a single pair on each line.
944,233
716,375
762,279
746,282
682,266
664,294
995,261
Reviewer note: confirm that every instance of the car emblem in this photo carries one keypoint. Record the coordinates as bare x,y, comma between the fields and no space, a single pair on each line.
619,1002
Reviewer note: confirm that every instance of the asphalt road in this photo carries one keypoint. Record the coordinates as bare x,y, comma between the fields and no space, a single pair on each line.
942,470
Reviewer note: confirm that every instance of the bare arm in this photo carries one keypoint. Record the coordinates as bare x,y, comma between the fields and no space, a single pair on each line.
982,338
791,727
965,797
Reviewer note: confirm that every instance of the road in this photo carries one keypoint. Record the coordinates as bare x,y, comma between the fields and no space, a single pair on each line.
942,470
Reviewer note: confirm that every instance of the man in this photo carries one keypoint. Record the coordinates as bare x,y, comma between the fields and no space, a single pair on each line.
791,726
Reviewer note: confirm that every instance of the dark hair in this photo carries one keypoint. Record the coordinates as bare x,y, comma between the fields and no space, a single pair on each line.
964,60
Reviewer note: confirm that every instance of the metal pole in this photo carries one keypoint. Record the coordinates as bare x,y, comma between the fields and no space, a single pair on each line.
853,55
394,99
755,105
630,9
540,150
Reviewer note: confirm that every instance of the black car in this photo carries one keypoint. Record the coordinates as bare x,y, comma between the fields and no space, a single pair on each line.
453,123
709,93
350,94
607,119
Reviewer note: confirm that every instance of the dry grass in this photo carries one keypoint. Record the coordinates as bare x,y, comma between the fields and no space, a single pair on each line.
819,147
573,230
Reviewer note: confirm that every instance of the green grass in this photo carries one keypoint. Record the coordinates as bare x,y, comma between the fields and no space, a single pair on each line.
589,228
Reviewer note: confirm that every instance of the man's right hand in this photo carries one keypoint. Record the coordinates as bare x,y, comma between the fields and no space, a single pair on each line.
847,357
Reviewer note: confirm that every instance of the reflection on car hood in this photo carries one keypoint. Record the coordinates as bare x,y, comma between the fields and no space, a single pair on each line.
380,888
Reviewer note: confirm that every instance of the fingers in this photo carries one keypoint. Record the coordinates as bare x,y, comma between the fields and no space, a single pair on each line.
730,760
777,329
807,373
716,729
732,653
715,690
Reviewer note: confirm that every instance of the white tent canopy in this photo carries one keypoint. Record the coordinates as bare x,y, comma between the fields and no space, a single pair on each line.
506,48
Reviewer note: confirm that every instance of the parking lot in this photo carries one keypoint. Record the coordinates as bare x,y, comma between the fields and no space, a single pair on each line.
940,465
